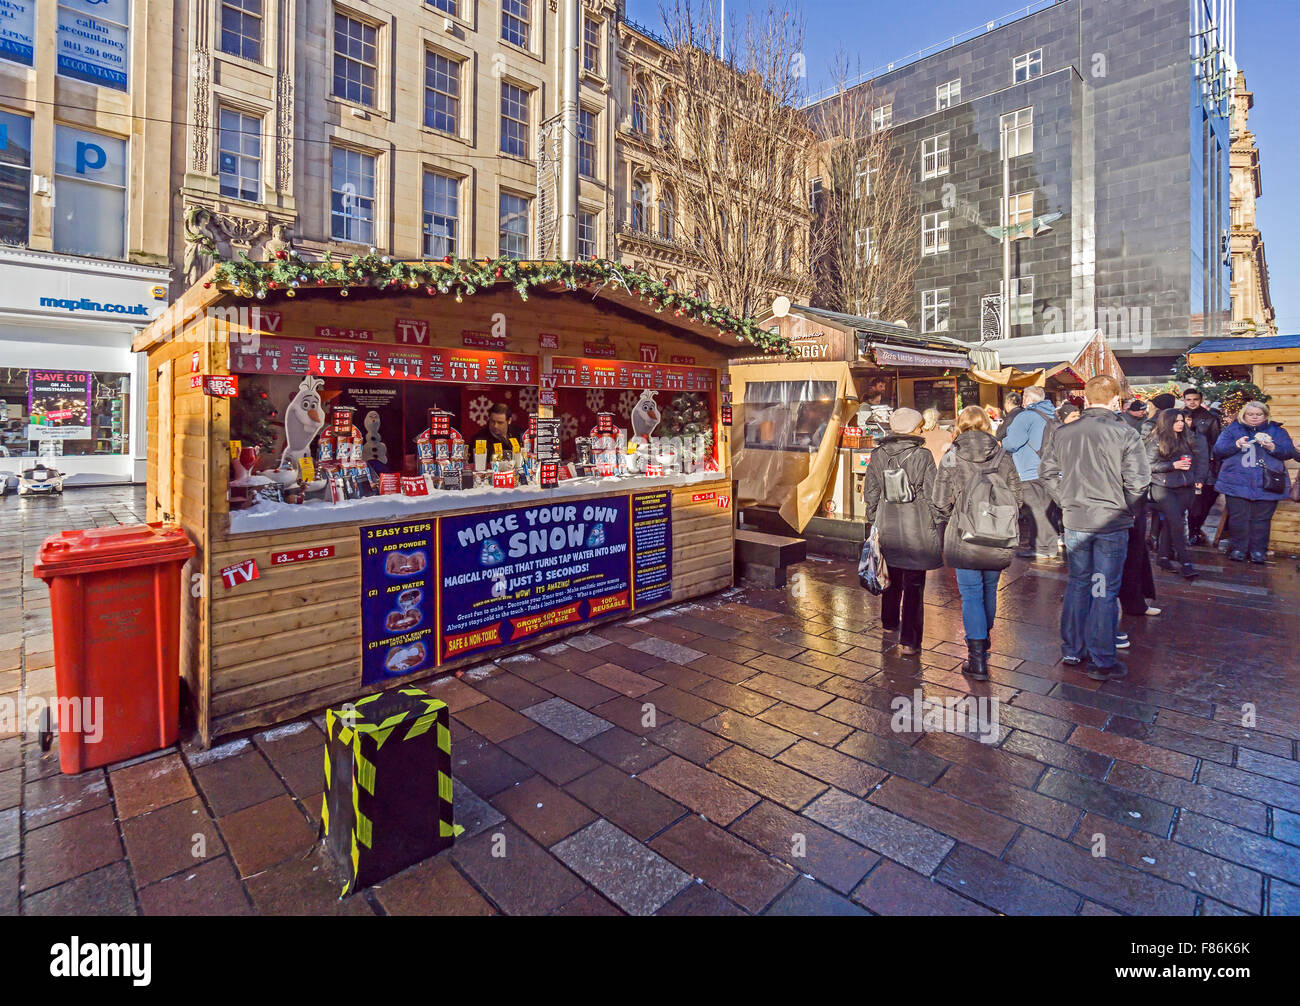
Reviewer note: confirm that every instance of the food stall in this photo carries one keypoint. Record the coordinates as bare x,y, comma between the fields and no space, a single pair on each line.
1272,364
396,469
806,425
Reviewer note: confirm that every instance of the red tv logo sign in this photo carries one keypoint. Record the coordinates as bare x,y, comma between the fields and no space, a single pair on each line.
412,330
649,352
240,572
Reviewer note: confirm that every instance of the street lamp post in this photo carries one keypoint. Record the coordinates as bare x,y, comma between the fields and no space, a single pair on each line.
1004,320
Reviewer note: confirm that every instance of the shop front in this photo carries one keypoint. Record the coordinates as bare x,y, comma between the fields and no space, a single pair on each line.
807,425
68,378
393,470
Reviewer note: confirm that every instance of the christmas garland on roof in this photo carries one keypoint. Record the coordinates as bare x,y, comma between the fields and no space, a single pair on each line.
288,272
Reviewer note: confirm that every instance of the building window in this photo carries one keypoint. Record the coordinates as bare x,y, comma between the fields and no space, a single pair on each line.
864,252
354,60
1027,67
882,117
667,215
93,40
640,116
947,95
667,120
241,28
15,177
516,20
586,143
591,45
352,196
90,177
514,120
85,412
815,195
639,199
1020,308
934,310
1021,215
934,156
586,234
1018,129
451,7
514,226
239,155
441,92
441,214
934,233
863,172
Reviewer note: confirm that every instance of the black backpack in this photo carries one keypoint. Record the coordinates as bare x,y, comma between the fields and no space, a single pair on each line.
898,487
989,514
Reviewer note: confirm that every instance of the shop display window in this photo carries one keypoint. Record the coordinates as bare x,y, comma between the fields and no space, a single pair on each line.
75,412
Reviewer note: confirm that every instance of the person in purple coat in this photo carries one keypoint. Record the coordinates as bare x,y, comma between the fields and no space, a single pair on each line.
1253,478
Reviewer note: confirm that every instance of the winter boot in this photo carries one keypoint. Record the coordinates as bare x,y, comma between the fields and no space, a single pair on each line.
976,664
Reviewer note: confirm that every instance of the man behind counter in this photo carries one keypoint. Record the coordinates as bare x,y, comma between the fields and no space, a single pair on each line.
498,430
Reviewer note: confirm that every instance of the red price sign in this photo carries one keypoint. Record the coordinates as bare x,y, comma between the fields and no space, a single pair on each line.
220,386
302,555
703,497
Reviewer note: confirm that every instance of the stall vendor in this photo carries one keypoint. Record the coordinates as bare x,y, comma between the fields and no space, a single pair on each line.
498,429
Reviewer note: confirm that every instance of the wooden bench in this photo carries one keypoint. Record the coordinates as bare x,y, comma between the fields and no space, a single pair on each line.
762,558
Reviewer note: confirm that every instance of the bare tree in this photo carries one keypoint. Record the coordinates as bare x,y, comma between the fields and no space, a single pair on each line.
865,234
737,149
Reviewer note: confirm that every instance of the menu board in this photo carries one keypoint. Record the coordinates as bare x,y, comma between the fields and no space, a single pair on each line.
505,575
398,618
652,547
547,444
576,372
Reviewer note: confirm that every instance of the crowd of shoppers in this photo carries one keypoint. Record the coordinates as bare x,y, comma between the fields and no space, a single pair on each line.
1097,477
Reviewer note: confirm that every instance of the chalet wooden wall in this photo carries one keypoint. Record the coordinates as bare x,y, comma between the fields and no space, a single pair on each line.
1281,382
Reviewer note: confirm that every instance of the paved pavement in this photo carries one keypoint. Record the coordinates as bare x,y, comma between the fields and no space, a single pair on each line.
770,778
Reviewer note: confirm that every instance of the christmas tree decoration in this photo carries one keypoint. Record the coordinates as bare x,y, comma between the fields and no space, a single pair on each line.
687,415
251,414
465,277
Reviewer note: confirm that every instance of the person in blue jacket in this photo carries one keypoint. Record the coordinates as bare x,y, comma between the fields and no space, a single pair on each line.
1252,478
1022,438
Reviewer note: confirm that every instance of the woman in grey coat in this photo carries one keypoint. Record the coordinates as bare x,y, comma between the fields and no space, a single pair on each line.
978,567
908,539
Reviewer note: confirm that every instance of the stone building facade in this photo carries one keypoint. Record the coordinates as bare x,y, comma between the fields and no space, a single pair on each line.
1252,304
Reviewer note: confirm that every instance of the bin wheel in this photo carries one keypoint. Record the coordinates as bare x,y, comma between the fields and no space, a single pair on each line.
47,729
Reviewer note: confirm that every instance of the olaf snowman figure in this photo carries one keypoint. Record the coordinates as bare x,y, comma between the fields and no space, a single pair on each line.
303,419
645,418
375,448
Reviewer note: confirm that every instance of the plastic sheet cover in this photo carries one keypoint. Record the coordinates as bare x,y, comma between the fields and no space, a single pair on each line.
785,434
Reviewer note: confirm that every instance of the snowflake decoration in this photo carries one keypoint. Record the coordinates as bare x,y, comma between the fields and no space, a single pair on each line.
595,399
626,401
569,427
528,399
478,409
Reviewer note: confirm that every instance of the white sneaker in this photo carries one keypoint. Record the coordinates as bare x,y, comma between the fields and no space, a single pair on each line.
1152,612
1121,642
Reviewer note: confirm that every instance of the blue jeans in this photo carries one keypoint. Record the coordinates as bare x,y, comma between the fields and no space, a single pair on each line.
979,600
1090,614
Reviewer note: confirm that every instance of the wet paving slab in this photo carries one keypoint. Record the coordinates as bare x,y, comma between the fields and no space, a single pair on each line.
740,754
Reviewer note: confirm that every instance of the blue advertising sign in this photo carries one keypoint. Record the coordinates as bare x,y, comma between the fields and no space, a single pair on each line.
397,599
17,30
652,545
509,574
93,41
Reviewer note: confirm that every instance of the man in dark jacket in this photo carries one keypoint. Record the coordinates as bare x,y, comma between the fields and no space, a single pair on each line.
908,538
1204,424
1136,414
1012,401
1098,470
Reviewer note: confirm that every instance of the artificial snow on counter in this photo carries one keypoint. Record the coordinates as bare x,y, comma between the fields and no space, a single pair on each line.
266,516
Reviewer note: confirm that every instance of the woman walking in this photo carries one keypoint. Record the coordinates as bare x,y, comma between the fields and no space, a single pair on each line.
979,567
1179,464
1253,478
897,489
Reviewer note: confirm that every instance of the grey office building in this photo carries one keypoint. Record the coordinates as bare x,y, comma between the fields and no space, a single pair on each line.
1115,114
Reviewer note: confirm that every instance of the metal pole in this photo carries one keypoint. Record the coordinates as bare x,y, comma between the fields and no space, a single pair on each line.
1006,237
568,208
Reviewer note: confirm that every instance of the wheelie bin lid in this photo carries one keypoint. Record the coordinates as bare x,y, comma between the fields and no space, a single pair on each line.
118,547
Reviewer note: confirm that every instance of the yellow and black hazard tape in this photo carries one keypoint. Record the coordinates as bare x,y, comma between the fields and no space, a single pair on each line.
353,731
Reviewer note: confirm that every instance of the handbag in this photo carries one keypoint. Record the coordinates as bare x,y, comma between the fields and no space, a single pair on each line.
873,572
1274,482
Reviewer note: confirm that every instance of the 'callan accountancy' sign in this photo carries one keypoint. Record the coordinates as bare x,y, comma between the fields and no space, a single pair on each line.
93,41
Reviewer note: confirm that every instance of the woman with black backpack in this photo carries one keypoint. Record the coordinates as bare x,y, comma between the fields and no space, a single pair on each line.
896,492
1179,464
977,496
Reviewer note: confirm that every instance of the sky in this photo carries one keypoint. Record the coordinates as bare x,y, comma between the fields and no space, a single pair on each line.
872,33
